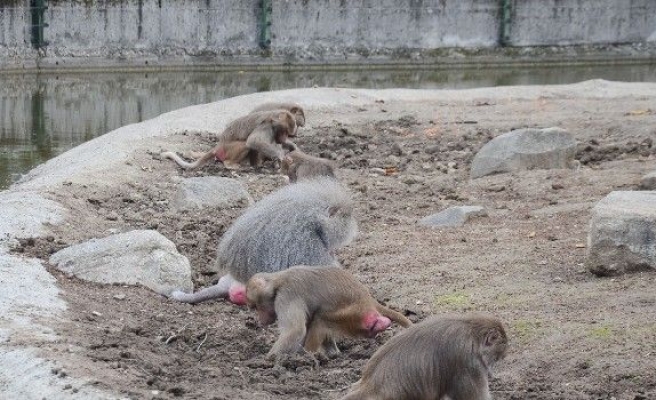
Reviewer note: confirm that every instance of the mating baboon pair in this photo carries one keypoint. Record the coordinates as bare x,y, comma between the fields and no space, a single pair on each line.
278,258
264,133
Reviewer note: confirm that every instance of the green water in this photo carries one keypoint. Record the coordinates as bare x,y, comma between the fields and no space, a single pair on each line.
43,115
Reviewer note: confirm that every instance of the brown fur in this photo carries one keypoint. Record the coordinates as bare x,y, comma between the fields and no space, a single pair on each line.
294,108
315,305
448,356
298,165
253,137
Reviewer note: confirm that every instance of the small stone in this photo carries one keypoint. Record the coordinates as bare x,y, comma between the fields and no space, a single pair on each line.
411,179
432,149
378,171
531,235
557,186
119,296
397,150
112,216
96,313
495,188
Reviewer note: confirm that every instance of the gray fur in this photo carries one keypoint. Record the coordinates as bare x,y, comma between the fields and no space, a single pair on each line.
299,224
292,226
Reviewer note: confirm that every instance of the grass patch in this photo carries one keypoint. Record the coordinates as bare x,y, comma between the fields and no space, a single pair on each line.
603,332
458,301
526,330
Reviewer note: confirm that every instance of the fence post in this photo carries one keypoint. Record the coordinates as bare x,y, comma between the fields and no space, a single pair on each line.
505,19
265,24
37,11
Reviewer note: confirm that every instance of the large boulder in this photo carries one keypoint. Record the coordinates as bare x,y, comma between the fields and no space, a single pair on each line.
525,149
210,192
453,216
138,257
622,235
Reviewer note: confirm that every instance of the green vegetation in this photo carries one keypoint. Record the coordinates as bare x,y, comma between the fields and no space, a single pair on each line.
456,301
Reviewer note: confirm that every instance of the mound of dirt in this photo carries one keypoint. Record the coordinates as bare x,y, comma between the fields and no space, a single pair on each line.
573,336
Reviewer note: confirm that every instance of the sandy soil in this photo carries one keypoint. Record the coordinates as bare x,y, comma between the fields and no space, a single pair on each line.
574,336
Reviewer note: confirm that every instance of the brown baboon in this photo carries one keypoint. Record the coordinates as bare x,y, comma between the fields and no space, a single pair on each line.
253,137
316,305
299,224
294,108
298,165
447,357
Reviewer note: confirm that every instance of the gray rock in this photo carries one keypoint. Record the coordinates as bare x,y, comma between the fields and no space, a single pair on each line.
28,294
648,182
453,216
25,214
137,257
525,149
210,192
622,237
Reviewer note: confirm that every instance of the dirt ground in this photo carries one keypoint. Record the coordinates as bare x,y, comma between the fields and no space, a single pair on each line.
573,335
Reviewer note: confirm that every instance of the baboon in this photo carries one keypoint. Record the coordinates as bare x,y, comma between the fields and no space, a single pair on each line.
316,305
253,137
441,357
299,224
298,165
294,108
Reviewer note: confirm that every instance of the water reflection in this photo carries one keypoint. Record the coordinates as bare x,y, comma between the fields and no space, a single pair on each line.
43,115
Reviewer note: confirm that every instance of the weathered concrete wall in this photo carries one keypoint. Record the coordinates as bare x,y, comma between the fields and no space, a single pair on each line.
14,29
139,32
333,26
566,22
180,27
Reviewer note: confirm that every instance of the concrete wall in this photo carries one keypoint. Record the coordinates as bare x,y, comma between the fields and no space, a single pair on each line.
566,22
225,31
157,27
371,25
14,29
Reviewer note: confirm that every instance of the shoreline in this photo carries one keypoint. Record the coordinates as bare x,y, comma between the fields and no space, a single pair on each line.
437,59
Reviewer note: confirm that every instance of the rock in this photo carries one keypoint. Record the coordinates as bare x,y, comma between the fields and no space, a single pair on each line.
210,192
27,214
648,182
525,149
137,257
432,149
396,149
412,179
622,236
391,161
453,216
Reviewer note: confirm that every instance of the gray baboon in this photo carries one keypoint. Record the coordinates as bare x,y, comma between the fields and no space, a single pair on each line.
299,224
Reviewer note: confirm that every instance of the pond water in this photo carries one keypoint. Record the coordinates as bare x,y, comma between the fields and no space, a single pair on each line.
43,115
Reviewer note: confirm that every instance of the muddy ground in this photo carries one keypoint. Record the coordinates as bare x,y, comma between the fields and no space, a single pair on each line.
573,335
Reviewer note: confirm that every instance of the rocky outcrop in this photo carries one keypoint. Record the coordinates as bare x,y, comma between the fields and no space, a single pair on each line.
525,149
210,192
622,235
137,257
